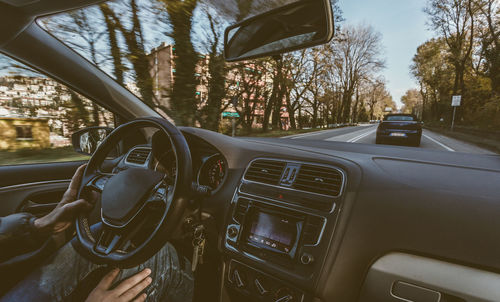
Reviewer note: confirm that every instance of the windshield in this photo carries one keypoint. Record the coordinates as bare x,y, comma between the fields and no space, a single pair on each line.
398,118
410,59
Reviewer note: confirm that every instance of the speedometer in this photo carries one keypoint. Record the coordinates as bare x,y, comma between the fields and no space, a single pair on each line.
212,172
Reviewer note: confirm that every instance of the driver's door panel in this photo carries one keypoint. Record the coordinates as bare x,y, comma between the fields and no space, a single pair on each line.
34,188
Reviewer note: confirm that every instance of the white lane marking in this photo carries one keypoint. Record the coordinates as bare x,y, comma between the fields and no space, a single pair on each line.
439,143
305,134
295,136
357,138
346,136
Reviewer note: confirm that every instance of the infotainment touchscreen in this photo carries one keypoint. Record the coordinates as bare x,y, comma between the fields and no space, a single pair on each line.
272,232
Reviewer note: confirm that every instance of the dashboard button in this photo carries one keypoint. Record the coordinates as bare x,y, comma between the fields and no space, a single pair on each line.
232,232
306,258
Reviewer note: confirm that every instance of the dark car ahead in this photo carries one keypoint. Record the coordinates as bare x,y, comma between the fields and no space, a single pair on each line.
400,128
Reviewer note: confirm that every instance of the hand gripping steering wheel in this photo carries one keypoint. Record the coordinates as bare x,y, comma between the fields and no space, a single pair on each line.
128,199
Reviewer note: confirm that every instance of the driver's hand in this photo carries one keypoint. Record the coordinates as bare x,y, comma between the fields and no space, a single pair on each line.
64,213
127,290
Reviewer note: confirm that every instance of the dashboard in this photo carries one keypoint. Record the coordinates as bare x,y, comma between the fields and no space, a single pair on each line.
332,221
209,166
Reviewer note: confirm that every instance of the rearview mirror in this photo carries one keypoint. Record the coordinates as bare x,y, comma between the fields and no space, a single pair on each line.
86,141
298,25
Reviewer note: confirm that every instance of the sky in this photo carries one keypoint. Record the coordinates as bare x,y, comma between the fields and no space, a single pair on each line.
402,24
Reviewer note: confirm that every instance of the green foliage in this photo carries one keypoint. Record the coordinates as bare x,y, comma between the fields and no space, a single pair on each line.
77,115
462,60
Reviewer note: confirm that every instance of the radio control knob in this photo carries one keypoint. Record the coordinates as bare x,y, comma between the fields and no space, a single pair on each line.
232,231
306,258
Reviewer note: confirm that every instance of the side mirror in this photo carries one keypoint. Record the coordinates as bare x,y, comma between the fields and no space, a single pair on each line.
86,140
298,25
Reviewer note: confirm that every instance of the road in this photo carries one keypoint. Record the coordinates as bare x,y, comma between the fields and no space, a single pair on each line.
365,134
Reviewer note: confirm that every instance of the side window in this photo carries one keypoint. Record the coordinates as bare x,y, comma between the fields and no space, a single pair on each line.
38,116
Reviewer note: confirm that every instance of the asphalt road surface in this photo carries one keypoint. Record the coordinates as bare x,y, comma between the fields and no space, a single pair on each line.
365,134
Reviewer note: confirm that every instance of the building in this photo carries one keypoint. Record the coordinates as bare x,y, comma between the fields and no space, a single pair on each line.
161,60
32,99
162,72
18,133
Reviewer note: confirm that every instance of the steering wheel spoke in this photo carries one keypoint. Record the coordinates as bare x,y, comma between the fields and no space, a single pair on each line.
109,240
98,182
159,194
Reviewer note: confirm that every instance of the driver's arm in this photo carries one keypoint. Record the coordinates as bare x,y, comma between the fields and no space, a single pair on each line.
22,232
18,235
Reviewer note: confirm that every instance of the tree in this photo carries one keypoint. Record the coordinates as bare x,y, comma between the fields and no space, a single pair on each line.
376,93
212,109
454,20
312,96
78,115
114,48
134,39
434,74
489,20
356,52
248,85
183,102
412,101
297,80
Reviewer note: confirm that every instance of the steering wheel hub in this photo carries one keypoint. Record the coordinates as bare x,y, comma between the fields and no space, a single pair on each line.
125,193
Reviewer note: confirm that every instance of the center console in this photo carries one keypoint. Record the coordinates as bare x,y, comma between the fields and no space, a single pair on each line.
278,229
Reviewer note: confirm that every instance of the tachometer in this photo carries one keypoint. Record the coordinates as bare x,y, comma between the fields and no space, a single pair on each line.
212,172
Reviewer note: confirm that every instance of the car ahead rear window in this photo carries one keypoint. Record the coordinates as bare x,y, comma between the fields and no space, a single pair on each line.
399,118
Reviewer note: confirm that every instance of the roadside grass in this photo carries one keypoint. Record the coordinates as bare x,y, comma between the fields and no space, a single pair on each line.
40,156
481,138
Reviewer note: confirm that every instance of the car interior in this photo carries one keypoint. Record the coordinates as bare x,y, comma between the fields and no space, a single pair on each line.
283,220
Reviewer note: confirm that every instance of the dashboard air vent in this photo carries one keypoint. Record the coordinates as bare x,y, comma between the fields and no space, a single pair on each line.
265,171
318,179
138,156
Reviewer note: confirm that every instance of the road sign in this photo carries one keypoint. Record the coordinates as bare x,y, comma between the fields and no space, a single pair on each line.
230,114
388,109
455,100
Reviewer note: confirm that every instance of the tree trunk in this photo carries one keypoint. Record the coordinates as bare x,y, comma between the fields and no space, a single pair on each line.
300,116
113,44
184,103
291,112
346,105
277,96
355,109
95,114
315,116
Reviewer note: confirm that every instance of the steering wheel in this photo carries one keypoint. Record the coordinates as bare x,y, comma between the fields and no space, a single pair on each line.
129,197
